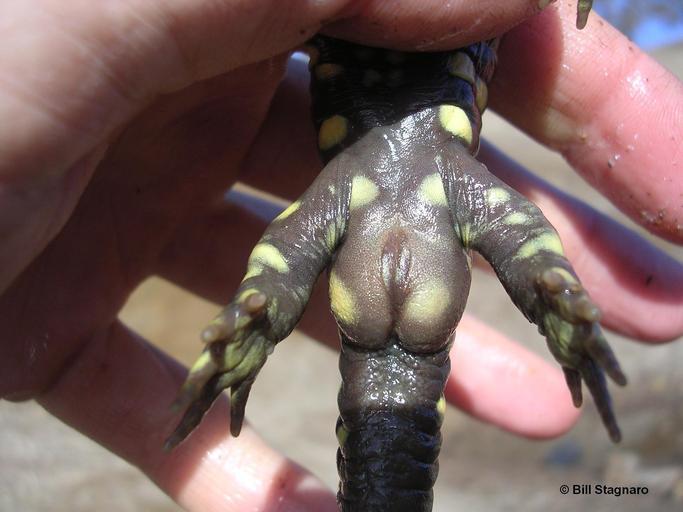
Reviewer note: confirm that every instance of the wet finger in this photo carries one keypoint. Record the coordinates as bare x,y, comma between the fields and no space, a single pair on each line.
210,470
622,132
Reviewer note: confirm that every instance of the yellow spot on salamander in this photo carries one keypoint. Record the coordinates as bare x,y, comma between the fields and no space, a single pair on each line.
328,70
428,301
342,434
289,210
461,66
441,407
496,196
270,256
333,130
455,121
482,98
431,191
363,191
516,218
548,241
342,301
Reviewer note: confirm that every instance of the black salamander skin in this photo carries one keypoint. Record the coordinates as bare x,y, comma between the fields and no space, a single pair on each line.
393,217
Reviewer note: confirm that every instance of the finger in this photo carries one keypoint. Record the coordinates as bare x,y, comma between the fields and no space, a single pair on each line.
622,132
597,385
73,74
638,287
498,381
122,57
129,414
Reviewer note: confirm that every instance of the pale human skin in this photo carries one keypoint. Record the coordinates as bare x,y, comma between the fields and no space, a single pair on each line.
83,89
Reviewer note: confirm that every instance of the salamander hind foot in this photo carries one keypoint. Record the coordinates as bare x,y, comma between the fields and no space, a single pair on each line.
237,345
569,321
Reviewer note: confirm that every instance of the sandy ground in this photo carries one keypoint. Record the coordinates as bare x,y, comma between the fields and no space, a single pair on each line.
45,466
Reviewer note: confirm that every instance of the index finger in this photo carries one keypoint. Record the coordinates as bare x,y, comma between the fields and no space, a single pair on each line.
613,112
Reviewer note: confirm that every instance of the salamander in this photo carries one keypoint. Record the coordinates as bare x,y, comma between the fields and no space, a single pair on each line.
393,217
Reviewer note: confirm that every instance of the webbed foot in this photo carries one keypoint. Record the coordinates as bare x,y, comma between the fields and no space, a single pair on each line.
570,323
237,347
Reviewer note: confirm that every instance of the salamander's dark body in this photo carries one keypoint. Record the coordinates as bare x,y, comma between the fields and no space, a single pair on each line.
393,216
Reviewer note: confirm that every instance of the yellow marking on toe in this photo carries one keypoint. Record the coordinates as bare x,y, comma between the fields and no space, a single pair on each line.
333,130
516,218
363,191
246,294
342,301
270,256
546,242
332,189
428,301
342,434
482,98
289,210
441,407
201,362
565,274
431,191
328,70
455,121
496,196
461,66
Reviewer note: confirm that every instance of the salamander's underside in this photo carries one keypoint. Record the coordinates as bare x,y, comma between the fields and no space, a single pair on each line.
393,217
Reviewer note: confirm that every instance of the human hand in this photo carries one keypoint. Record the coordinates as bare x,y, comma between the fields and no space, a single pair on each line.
126,130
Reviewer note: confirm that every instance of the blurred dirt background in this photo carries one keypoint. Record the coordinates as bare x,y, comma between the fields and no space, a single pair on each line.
45,466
